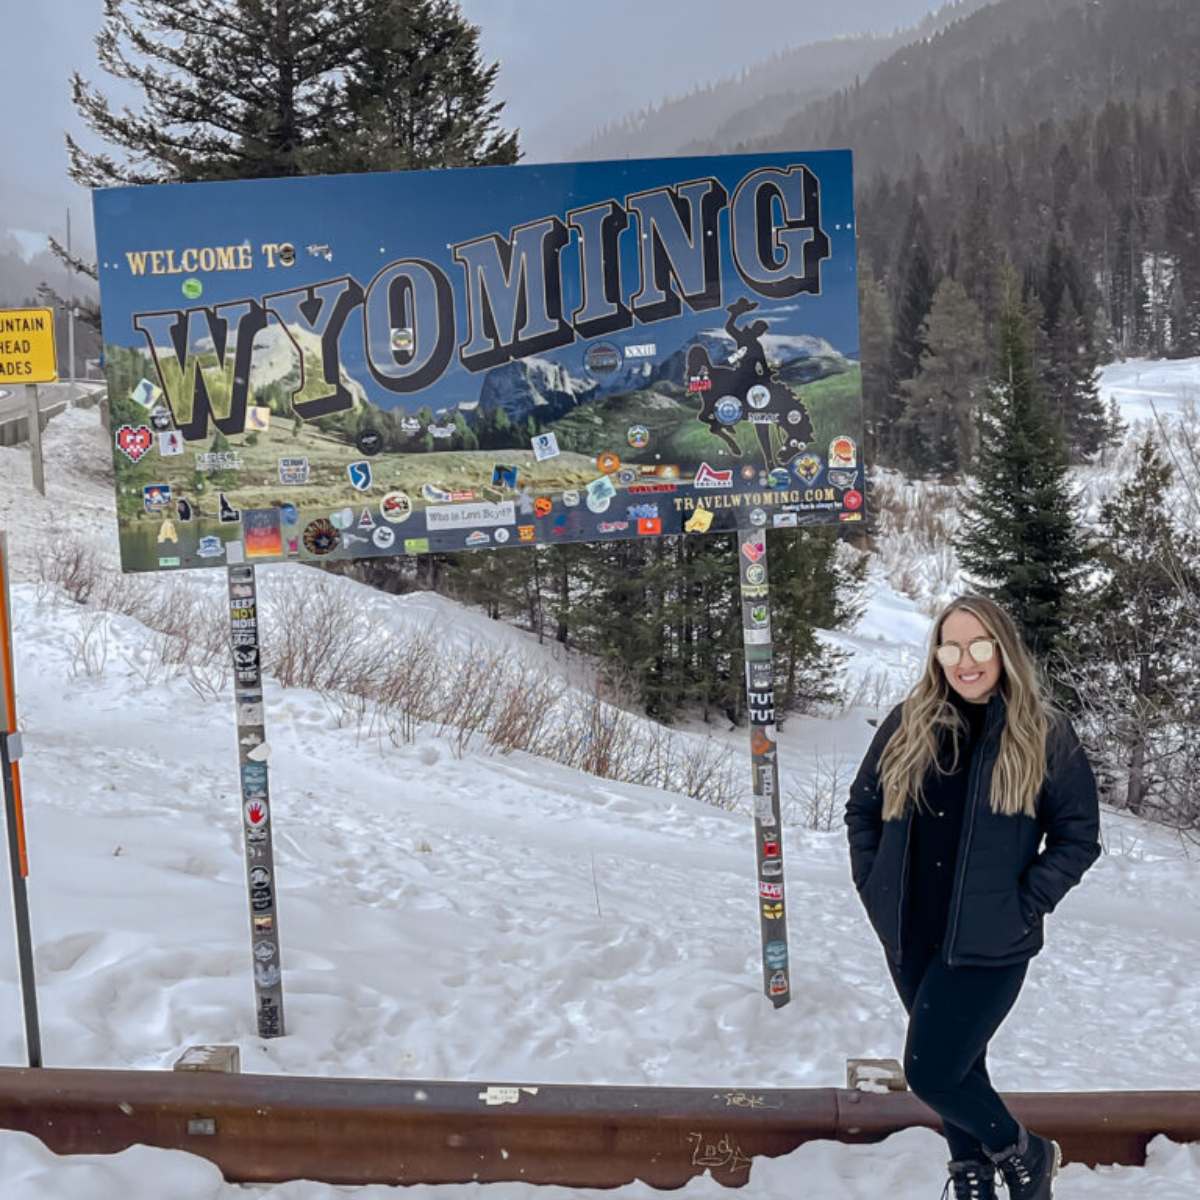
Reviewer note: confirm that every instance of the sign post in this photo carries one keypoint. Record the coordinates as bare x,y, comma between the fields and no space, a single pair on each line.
764,761
256,801
28,356
18,859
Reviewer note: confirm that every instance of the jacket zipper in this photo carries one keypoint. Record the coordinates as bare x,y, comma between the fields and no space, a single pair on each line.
964,845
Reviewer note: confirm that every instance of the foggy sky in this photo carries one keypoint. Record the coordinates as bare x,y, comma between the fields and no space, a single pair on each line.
567,68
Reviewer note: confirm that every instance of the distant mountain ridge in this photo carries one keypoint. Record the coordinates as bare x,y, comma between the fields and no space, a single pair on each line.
760,99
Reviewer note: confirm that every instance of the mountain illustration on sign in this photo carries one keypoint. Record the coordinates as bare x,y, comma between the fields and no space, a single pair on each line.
750,370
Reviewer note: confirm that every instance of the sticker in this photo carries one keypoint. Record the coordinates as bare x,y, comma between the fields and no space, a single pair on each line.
559,527
228,514
210,546
233,552
265,951
260,753
395,507
707,477
758,517
504,477
320,537
170,443
852,500
764,811
785,520
754,550
807,467
267,975
402,340
478,538
749,472
627,475
366,521
843,452
293,471
770,891
639,512
353,539
756,573
772,869
545,446
761,746
192,288
416,545
469,516
219,460
169,562
261,533
260,877
342,519
601,489
441,431
360,475
542,506
384,537
770,848
570,498
598,503
849,516
842,479
146,394
527,533
779,984
369,441
700,521
645,350
607,463
638,436
795,417
160,419
773,912
264,924
758,397
700,382
166,532
760,615
612,526
256,814
728,410
779,478
133,441
756,637
258,418
602,359
649,526
775,954
501,535
435,494
254,781
759,676
156,497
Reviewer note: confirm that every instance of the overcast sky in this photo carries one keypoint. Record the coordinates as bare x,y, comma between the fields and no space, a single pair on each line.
567,68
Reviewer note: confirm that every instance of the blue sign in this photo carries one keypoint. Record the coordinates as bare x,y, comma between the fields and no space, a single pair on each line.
630,321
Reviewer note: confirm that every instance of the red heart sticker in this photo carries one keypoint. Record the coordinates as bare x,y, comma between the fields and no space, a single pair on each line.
754,550
133,441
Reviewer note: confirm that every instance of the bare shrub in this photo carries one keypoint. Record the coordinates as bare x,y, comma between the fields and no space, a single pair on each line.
72,566
817,800
89,647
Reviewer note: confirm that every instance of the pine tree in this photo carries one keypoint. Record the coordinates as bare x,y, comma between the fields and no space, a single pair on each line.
939,422
1021,540
1135,657
233,89
912,307
420,95
880,411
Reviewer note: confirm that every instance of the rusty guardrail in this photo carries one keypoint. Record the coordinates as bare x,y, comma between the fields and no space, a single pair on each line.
272,1128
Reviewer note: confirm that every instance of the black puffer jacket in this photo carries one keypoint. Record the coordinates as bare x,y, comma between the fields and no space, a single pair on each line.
1003,886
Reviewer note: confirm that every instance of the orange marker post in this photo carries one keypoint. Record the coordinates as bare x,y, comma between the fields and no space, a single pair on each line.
10,771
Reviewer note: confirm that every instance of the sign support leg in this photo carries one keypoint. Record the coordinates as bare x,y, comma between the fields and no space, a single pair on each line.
764,762
10,781
265,956
35,438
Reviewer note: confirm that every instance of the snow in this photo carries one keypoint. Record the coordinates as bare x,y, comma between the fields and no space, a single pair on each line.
501,918
1144,387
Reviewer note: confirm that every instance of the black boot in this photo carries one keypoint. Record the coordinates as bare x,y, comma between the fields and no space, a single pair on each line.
972,1180
1029,1166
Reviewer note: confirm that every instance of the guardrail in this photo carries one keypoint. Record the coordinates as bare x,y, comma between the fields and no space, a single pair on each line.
270,1128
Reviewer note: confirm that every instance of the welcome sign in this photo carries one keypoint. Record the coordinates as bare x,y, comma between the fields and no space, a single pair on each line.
348,366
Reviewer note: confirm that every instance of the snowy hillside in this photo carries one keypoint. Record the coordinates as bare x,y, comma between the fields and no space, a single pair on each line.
451,912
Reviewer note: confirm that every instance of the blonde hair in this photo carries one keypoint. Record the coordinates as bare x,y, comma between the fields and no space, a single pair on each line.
927,711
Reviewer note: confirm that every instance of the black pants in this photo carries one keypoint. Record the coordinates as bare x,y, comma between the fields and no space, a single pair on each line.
953,1013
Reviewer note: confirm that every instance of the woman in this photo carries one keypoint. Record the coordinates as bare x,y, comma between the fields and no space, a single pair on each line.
945,819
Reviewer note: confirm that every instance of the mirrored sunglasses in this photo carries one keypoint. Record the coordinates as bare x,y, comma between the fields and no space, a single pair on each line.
981,650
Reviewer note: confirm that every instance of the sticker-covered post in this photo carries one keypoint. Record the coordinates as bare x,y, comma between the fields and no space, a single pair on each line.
18,858
764,762
256,801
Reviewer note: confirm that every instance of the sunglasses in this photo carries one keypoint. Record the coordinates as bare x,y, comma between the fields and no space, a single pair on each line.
982,650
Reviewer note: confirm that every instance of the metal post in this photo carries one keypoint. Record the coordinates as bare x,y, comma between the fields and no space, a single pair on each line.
35,437
764,762
18,859
70,313
265,957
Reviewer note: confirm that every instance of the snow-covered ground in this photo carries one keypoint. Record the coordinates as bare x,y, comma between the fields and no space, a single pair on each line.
500,919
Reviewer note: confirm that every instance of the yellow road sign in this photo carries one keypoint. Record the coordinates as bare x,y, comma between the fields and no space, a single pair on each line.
27,346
